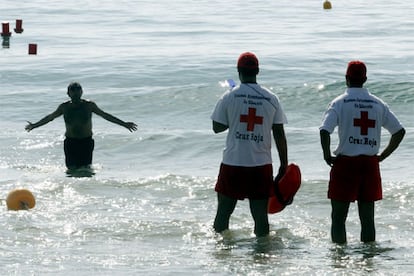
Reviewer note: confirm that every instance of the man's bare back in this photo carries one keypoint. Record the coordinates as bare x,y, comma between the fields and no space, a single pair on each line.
78,119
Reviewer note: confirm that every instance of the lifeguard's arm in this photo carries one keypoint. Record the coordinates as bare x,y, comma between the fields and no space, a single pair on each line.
129,125
281,145
218,127
393,144
326,147
46,119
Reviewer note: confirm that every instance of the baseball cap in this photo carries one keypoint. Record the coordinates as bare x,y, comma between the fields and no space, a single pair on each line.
356,70
248,60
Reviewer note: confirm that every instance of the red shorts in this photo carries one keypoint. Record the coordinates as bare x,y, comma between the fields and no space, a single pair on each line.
245,182
355,178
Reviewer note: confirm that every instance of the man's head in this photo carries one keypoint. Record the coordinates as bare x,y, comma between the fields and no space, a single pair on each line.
75,91
356,73
248,64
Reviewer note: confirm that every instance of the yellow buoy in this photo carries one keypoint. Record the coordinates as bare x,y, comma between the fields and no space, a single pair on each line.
327,5
20,199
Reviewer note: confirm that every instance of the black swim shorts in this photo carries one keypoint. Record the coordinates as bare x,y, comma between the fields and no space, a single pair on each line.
78,152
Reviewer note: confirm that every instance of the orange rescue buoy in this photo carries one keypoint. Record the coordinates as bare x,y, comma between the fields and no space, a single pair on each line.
20,199
285,189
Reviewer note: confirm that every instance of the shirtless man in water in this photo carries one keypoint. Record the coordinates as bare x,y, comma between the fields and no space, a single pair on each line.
77,113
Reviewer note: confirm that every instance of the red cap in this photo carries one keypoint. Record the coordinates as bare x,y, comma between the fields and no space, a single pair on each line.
248,60
356,70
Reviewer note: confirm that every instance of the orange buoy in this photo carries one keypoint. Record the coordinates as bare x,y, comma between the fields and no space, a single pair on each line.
327,5
285,189
20,199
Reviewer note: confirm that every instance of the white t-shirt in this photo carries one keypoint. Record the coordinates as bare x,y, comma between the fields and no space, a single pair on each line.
249,111
359,116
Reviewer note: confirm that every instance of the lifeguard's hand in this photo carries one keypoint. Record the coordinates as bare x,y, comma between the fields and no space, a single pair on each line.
280,174
29,126
131,126
330,160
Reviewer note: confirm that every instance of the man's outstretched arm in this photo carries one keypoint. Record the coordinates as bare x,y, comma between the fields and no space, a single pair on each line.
129,125
45,119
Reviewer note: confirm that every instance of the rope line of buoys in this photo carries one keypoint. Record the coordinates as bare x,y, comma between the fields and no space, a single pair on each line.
20,199
6,35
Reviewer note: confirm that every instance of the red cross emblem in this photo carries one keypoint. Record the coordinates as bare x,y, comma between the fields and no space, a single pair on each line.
364,123
251,119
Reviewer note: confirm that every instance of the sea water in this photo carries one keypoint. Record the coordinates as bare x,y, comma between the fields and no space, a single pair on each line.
150,205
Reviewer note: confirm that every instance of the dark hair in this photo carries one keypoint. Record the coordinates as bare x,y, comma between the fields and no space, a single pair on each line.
74,86
355,83
248,71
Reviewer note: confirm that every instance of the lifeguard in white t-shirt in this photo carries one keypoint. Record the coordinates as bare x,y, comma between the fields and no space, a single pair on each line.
355,173
252,114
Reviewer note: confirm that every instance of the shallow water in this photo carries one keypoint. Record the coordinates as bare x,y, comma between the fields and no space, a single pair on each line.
149,207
